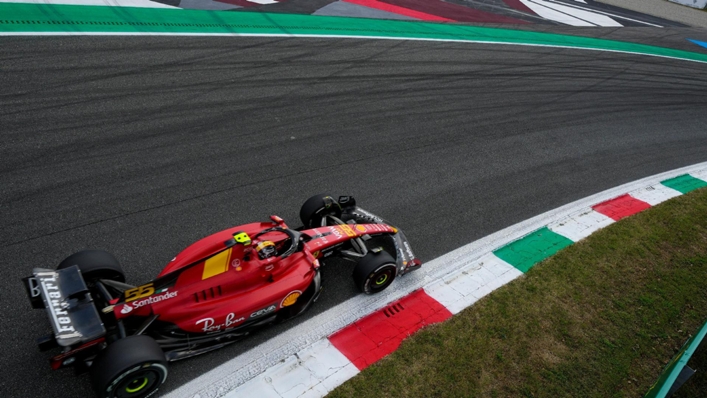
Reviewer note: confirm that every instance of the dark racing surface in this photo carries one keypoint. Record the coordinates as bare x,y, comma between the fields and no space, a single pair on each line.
141,146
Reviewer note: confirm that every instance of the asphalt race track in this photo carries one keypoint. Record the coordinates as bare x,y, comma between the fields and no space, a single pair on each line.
141,145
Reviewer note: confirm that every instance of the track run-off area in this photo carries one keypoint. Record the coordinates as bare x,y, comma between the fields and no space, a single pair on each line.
140,145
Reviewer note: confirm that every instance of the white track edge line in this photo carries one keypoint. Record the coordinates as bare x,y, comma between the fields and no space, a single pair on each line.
235,372
340,37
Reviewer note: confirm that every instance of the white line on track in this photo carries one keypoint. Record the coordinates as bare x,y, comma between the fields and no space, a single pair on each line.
310,337
339,37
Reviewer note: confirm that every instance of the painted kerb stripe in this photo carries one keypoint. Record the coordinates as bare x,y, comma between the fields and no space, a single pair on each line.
532,249
45,19
684,183
621,207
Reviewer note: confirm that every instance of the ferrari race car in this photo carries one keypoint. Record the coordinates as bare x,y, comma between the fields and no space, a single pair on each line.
215,292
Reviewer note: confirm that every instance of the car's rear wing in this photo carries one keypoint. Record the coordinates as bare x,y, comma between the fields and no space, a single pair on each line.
406,259
72,313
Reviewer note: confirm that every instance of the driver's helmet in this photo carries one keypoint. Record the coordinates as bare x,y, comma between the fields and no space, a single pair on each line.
265,249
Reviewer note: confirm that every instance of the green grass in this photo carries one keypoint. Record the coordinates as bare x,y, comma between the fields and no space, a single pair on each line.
601,318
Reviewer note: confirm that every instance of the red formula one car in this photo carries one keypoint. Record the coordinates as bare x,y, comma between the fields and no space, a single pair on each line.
215,292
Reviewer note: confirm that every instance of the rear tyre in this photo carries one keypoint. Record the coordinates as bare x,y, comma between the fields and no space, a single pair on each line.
375,272
94,265
316,208
133,367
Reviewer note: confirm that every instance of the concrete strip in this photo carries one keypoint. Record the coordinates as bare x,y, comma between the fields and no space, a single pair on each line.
314,371
701,174
655,194
466,286
578,226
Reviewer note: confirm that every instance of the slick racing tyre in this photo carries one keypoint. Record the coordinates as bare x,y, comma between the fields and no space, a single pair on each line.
133,367
375,272
94,265
316,208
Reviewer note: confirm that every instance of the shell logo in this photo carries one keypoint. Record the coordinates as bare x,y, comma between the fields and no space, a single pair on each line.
360,228
290,298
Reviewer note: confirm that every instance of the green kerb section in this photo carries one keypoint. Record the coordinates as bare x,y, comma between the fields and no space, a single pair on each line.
44,18
684,183
532,248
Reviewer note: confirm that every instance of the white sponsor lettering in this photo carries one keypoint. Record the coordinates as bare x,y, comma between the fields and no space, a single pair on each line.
263,311
57,308
154,299
34,287
336,232
369,215
409,250
209,323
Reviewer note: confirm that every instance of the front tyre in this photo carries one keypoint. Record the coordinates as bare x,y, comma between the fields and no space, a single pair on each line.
316,208
375,272
133,367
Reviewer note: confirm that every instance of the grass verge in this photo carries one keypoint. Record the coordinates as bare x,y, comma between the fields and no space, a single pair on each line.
601,318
